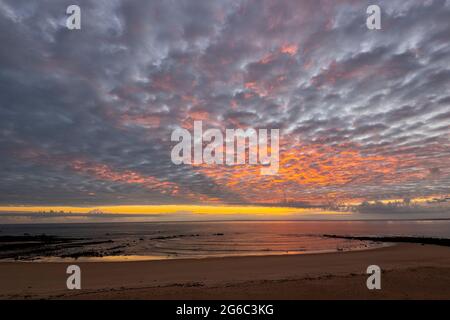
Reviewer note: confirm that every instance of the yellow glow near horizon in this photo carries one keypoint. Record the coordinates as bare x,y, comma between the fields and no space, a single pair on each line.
168,209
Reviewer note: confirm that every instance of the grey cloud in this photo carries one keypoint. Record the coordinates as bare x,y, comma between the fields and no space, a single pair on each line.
112,92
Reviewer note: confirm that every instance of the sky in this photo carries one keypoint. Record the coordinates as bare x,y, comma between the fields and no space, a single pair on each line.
86,115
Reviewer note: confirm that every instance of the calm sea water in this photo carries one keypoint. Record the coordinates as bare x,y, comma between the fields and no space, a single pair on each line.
140,241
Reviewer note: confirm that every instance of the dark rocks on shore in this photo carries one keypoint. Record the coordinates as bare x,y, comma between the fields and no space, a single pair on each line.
175,236
29,247
396,239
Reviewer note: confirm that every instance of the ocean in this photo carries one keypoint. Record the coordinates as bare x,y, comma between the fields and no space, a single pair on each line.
178,240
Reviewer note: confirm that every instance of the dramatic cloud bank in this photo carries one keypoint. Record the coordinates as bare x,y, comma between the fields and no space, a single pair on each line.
86,115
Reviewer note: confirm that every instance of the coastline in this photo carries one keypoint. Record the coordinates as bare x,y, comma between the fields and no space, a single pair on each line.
144,258
410,271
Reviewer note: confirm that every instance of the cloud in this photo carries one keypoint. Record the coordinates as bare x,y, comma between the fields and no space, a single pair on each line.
363,114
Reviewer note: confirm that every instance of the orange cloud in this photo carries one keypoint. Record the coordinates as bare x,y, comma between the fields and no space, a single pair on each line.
290,49
310,173
105,172
141,120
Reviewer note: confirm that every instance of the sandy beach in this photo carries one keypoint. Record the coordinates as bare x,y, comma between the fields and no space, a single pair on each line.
410,271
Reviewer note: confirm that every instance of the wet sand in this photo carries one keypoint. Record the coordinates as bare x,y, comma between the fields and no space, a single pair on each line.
410,271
